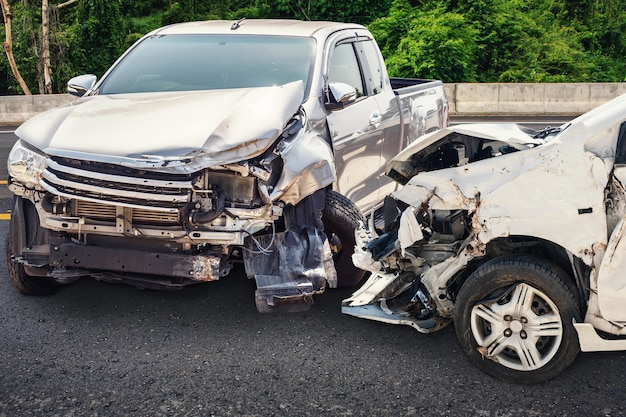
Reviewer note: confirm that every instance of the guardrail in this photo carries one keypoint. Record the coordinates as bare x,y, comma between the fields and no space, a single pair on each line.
466,99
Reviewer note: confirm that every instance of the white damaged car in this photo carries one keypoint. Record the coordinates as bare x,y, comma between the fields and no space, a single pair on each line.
513,235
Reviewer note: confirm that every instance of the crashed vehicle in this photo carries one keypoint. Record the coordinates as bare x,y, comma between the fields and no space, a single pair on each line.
212,143
516,236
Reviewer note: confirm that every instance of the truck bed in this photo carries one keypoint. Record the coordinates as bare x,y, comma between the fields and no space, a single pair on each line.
410,85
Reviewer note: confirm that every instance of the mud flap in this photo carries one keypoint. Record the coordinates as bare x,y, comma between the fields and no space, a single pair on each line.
292,266
273,294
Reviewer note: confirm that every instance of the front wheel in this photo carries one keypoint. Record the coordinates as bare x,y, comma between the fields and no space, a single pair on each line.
23,230
514,319
341,218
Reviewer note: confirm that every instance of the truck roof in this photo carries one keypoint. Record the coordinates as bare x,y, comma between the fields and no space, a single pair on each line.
281,27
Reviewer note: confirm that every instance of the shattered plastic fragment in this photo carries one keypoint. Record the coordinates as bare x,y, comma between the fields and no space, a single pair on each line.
410,230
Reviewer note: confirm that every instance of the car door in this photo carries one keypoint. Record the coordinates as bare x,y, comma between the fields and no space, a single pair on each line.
355,130
378,80
611,276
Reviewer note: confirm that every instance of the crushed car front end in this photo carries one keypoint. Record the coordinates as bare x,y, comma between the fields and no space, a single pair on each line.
499,229
178,214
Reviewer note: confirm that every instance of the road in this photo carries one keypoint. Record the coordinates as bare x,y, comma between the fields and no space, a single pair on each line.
96,349
7,139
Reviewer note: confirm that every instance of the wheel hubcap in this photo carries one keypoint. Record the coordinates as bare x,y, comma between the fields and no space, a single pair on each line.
521,330
516,326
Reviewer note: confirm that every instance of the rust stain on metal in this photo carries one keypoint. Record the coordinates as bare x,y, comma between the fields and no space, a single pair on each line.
483,352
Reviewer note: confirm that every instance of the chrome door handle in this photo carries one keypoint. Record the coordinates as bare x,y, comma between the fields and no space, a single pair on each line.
376,119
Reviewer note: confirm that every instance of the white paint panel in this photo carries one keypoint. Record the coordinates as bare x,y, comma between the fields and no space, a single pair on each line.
612,277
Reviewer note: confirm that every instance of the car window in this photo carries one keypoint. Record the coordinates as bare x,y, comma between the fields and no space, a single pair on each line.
210,62
375,74
620,154
344,68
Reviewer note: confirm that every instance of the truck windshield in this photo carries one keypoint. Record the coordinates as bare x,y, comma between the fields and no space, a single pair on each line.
210,62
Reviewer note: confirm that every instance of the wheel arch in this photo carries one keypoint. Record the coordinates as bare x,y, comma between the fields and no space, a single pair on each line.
25,232
24,227
576,270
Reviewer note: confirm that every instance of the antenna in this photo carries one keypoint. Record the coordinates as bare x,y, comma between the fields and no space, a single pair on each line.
237,24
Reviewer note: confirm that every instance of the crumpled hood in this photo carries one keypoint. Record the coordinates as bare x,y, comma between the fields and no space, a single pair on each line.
504,132
220,126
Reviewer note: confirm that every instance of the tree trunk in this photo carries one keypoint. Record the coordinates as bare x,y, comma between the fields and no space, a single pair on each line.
67,3
8,46
45,46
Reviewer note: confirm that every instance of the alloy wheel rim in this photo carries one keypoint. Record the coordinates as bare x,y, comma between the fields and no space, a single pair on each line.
521,330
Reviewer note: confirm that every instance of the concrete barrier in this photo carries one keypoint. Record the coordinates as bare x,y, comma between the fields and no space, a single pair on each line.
466,99
519,99
14,110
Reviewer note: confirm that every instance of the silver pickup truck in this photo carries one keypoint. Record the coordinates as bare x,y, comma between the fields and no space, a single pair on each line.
210,143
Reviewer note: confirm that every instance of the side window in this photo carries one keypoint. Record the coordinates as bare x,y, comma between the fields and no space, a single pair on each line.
370,52
620,153
344,68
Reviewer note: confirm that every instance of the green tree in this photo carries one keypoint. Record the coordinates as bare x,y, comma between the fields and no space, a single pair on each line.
390,29
25,44
179,12
454,40
6,79
355,11
601,25
427,43
99,32
545,41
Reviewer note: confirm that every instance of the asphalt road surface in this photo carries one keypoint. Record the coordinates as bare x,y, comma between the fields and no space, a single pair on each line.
96,349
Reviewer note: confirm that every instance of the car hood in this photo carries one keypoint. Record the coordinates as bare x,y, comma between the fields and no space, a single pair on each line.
219,126
504,132
410,161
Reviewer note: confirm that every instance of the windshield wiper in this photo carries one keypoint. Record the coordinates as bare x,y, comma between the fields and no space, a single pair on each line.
545,132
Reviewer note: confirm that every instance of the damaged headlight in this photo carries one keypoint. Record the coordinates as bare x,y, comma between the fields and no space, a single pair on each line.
25,164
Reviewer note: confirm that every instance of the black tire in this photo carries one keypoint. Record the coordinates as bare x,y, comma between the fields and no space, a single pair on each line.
24,283
341,218
509,302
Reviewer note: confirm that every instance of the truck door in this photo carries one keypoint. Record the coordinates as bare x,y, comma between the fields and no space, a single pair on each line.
355,130
378,80
611,276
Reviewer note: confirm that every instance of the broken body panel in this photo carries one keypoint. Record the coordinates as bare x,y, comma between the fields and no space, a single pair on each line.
473,193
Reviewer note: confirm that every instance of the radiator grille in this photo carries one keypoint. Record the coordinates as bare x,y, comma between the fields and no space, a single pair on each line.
107,212
90,181
95,210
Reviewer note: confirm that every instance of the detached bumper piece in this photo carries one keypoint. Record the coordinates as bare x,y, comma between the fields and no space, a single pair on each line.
290,271
407,307
383,313
273,294
291,267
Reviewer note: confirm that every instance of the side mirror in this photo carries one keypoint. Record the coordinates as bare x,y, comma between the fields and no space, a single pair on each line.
78,86
341,94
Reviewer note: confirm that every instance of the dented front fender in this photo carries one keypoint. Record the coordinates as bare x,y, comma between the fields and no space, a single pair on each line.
308,166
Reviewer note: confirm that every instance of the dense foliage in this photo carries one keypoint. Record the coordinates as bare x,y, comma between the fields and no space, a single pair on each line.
452,40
